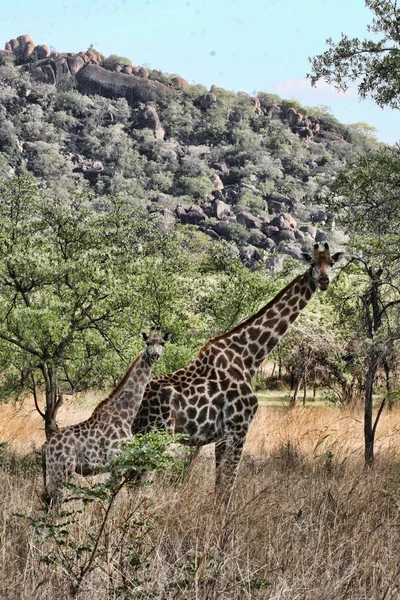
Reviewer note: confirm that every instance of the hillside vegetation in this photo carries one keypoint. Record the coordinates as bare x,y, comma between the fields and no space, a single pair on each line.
252,170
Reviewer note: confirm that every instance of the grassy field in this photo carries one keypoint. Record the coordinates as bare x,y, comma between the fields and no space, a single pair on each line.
306,521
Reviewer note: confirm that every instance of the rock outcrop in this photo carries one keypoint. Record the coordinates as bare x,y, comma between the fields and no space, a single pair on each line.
149,119
93,79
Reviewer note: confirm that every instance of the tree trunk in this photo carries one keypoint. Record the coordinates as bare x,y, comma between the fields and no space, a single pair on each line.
388,385
293,399
291,378
53,400
273,370
304,390
369,429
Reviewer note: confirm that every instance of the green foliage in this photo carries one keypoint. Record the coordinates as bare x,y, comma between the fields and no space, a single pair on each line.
199,188
268,99
372,63
366,199
293,103
114,59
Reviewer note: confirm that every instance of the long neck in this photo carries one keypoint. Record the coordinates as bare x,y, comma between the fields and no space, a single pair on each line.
253,340
127,396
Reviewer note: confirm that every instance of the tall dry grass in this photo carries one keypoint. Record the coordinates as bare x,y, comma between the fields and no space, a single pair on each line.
306,522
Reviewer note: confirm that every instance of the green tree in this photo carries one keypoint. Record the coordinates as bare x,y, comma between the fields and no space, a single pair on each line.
373,64
367,202
66,274
115,59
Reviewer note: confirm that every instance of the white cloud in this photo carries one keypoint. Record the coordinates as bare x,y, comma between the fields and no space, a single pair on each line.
300,88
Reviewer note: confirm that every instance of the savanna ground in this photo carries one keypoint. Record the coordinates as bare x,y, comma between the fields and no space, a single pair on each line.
306,522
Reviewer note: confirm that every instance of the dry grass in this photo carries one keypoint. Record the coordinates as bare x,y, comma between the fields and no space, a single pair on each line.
306,522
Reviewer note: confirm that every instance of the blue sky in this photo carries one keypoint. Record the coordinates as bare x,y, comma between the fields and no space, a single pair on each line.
253,45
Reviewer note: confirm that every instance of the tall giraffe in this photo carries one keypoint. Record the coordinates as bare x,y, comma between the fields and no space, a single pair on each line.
83,447
211,400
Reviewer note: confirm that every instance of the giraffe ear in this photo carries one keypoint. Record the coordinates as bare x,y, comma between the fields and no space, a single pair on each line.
337,256
167,336
306,257
143,336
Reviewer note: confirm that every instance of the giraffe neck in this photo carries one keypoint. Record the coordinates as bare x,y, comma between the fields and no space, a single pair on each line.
127,396
253,340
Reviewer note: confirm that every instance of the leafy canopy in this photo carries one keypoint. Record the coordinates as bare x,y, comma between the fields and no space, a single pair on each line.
374,63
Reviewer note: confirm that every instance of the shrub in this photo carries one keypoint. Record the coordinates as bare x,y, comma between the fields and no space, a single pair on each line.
114,59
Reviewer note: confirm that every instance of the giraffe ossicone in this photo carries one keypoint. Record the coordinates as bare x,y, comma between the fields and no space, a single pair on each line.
83,447
212,400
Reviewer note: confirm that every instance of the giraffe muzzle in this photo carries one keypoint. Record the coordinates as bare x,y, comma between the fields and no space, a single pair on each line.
323,282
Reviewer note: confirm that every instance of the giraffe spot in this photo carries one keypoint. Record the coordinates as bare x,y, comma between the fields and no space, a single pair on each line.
312,285
221,362
212,413
244,390
240,338
236,348
260,355
202,416
302,303
271,313
253,348
229,410
191,413
292,317
272,342
237,418
231,395
279,306
248,362
308,293
191,428
238,362
239,405
234,373
229,355
292,301
219,400
264,337
212,387
202,401
285,312
281,327
252,333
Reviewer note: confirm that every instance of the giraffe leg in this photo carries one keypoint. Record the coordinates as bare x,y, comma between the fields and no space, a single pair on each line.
56,474
228,451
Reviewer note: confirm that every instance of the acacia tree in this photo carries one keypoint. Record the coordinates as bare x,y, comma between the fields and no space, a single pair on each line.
374,64
367,203
67,274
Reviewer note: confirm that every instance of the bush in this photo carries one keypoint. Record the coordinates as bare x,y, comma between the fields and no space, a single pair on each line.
199,188
114,59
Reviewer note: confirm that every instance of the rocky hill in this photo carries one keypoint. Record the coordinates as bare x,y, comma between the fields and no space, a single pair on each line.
252,170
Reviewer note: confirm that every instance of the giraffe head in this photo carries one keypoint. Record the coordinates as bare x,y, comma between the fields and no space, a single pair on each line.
155,343
321,264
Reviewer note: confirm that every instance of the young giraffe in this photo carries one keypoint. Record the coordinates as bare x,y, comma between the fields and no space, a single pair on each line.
82,447
211,400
